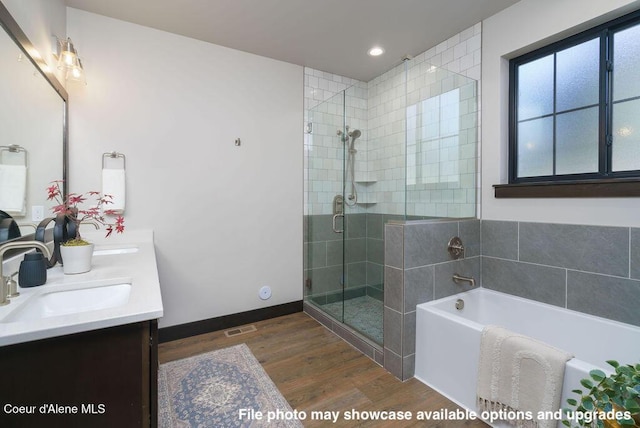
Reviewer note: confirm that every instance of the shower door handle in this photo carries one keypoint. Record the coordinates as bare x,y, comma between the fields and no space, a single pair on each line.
335,229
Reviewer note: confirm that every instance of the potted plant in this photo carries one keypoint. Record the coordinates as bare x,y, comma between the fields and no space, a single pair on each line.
608,401
76,252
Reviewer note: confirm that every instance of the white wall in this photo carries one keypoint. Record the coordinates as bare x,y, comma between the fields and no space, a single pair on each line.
40,20
523,27
227,219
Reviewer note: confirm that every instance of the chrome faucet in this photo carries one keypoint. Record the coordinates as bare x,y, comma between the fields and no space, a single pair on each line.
459,278
7,286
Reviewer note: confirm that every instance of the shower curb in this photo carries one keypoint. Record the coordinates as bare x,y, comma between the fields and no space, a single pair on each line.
367,347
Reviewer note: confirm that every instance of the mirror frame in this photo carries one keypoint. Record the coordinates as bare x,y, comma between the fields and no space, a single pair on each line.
9,24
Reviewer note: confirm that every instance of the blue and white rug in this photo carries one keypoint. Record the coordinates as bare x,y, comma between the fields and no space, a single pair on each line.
223,388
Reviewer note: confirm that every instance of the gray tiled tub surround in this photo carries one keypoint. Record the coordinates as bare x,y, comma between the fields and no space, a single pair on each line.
596,249
418,268
591,269
542,283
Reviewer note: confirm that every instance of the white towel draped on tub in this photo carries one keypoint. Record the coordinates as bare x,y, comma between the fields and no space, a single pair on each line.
518,373
113,184
13,187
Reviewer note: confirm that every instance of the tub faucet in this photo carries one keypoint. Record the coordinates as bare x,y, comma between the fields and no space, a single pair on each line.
7,286
459,278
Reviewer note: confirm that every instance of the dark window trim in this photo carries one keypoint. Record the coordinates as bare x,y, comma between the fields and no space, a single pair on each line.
622,183
602,188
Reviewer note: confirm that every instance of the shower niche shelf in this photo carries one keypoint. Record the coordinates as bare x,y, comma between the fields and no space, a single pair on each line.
366,200
365,178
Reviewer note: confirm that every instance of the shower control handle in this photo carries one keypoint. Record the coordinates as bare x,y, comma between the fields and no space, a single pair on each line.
335,228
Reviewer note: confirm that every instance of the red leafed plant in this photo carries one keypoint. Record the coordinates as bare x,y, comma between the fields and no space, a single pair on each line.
95,214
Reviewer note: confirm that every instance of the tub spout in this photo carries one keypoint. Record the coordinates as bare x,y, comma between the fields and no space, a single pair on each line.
459,278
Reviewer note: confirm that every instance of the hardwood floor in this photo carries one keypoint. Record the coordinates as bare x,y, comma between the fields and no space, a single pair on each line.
316,370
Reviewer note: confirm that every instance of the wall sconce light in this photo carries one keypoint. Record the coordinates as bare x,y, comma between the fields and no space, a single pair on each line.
69,61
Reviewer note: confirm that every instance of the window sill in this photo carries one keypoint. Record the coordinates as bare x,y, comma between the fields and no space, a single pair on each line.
608,188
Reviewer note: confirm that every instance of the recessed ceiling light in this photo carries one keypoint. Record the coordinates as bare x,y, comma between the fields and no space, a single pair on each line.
376,51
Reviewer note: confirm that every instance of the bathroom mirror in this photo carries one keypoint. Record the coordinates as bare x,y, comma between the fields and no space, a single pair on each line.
33,128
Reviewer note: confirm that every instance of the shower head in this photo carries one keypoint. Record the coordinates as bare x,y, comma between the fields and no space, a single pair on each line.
353,134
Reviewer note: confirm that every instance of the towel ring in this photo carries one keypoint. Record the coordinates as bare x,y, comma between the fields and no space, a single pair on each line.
114,155
15,148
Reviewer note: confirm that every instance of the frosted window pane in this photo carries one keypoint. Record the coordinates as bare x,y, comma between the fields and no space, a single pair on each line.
535,88
577,142
535,147
577,70
626,57
430,118
626,136
450,113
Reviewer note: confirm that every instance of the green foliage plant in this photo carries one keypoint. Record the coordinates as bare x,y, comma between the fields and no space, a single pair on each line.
607,400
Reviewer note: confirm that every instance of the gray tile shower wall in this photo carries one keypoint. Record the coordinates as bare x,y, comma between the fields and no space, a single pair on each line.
362,252
323,257
363,255
591,269
418,268
375,250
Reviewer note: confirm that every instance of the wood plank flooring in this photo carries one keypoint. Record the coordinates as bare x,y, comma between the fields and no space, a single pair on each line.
316,370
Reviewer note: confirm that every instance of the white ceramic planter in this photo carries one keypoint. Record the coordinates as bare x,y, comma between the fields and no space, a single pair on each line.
76,258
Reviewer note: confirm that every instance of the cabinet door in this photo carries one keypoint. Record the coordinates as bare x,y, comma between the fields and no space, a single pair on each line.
101,378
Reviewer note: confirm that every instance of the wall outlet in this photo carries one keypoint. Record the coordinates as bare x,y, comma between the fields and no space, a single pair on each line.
37,213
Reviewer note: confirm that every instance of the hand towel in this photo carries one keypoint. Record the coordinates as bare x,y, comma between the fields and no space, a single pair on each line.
518,373
113,184
13,187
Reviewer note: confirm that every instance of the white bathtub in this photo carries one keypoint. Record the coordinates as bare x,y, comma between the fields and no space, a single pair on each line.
448,340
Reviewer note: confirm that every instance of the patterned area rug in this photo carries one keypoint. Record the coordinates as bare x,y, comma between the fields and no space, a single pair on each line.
223,388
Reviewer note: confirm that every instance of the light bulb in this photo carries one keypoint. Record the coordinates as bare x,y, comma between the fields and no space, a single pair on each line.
376,51
68,54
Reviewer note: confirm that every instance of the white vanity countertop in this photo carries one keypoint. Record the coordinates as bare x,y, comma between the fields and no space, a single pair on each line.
134,262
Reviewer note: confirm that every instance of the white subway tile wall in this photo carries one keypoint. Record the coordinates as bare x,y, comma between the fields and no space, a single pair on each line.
325,152
408,161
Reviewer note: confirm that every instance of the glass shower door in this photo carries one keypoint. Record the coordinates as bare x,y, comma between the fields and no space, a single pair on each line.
324,209
343,266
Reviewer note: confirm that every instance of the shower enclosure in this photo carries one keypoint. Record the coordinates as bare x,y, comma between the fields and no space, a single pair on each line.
401,147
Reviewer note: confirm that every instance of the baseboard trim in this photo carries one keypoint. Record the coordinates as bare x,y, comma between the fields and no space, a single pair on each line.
167,334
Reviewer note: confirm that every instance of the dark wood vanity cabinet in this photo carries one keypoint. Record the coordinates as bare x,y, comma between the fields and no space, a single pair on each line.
100,378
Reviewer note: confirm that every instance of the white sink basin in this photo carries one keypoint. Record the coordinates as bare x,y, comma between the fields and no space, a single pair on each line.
105,251
56,303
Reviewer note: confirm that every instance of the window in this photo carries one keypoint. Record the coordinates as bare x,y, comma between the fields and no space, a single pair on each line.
433,139
575,107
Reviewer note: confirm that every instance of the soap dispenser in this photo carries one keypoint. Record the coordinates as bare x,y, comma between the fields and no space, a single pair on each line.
33,270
